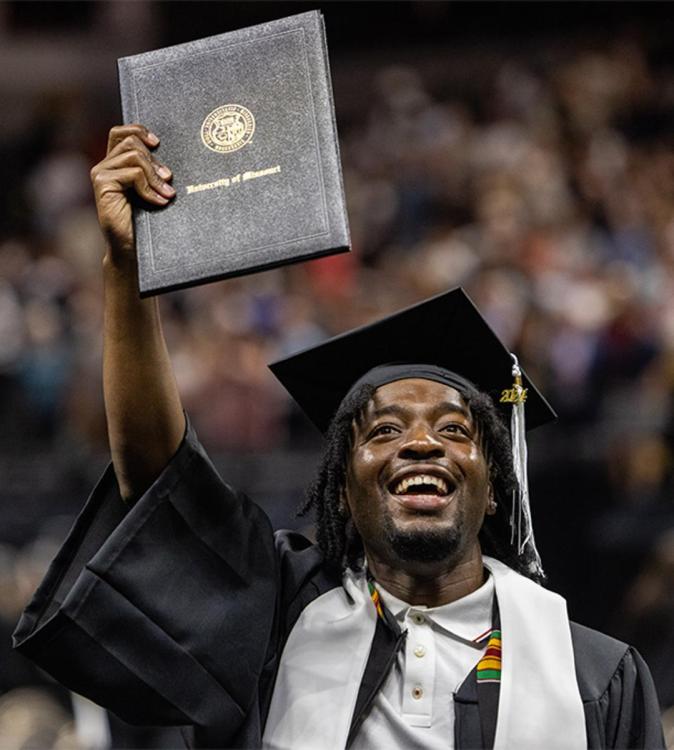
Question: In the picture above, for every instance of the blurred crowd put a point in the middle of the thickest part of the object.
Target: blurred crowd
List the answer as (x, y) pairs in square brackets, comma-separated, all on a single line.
[(547, 191)]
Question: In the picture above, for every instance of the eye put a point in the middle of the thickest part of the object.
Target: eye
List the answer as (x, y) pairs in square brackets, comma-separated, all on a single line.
[(456, 428), (383, 430)]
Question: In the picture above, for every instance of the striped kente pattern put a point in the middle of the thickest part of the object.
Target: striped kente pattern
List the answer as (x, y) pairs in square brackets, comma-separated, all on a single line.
[(489, 666), (375, 599)]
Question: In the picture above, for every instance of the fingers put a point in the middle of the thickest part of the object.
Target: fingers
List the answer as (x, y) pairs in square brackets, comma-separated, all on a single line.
[(120, 180), (120, 132), (129, 164), (133, 143), (148, 173)]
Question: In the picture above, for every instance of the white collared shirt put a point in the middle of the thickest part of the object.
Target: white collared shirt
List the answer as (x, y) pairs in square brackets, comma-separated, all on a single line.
[(415, 707)]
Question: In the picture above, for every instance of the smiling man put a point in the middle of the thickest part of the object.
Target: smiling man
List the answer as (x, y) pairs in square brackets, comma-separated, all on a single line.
[(417, 620), (418, 487)]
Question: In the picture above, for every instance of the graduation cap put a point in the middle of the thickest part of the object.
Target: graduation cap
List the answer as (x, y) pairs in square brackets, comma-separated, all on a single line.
[(446, 331)]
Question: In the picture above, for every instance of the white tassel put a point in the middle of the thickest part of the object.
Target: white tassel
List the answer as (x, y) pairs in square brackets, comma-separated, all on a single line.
[(522, 533)]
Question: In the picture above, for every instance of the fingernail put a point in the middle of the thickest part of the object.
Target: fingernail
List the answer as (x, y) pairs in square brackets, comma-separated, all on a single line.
[(164, 172), (168, 190), (152, 138), (161, 199)]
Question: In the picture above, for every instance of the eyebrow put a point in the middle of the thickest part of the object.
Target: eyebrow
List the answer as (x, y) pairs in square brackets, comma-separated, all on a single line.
[(446, 407)]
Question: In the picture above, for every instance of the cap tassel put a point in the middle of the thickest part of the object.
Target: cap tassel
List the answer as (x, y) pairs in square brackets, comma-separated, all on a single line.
[(522, 534)]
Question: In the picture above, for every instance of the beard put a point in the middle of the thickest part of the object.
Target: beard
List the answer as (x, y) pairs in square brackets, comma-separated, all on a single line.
[(423, 545)]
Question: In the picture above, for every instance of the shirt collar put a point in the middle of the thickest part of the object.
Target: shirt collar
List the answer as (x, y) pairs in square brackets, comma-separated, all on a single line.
[(468, 618)]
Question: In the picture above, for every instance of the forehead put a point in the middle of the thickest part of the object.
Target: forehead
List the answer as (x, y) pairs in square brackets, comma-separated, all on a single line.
[(416, 393)]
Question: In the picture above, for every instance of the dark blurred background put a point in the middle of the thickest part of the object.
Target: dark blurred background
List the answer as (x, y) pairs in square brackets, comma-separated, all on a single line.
[(522, 150)]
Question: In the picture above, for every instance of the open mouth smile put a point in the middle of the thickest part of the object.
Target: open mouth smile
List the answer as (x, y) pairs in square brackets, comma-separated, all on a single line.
[(422, 491)]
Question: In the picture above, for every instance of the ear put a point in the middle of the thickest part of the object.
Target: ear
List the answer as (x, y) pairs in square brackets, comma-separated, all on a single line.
[(491, 503)]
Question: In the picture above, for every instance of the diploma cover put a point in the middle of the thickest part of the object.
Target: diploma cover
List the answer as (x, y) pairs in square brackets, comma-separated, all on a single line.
[(247, 125)]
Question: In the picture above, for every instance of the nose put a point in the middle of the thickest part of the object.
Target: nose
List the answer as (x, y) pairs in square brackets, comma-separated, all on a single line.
[(420, 443)]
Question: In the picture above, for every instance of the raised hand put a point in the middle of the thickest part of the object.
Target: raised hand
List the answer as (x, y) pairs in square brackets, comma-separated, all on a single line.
[(129, 167)]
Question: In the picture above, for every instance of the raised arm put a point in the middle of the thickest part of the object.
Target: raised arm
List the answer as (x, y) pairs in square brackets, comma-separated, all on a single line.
[(142, 403), (164, 612)]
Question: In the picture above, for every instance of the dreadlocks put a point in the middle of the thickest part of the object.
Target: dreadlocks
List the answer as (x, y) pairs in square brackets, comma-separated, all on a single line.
[(336, 536)]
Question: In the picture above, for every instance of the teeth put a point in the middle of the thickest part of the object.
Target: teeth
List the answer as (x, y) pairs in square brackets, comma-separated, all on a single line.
[(420, 479)]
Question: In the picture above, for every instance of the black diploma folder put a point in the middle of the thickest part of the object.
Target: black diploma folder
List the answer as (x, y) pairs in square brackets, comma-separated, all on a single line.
[(246, 122)]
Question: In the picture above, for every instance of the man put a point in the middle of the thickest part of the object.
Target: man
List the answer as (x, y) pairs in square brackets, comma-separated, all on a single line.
[(413, 623)]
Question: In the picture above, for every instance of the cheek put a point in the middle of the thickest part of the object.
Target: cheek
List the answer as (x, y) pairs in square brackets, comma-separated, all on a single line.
[(478, 473), (364, 459), (362, 485), (474, 454), (363, 468), (472, 463)]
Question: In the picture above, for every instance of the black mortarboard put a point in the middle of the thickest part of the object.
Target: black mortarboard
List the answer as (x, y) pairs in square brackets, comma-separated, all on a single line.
[(446, 331)]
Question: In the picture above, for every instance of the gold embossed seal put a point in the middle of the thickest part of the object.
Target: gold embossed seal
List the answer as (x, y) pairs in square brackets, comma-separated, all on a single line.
[(228, 128)]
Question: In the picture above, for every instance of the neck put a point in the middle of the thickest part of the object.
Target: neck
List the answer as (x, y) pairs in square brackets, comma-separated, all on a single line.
[(430, 584)]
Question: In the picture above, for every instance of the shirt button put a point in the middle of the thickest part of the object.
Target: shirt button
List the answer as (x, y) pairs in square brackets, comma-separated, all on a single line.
[(420, 651), (417, 693), (418, 618)]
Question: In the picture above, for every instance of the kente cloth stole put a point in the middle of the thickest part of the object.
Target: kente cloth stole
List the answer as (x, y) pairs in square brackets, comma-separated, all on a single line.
[(489, 666), (376, 599)]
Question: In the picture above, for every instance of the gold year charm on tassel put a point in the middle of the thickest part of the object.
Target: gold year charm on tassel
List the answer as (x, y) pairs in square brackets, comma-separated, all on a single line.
[(516, 394)]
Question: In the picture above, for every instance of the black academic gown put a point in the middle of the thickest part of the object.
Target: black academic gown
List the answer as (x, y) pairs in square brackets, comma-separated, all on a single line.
[(175, 612)]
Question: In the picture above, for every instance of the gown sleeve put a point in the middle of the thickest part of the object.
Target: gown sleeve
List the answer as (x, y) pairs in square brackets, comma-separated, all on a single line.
[(163, 612), (616, 687), (629, 707)]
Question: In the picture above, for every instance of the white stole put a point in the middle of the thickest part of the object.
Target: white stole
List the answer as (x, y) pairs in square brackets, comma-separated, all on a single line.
[(324, 660), (321, 669), (539, 701)]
